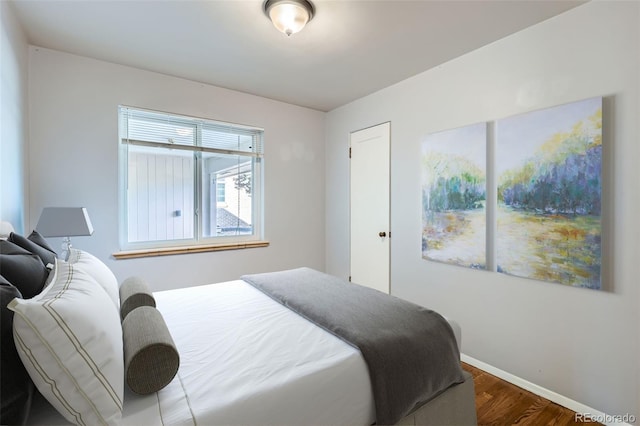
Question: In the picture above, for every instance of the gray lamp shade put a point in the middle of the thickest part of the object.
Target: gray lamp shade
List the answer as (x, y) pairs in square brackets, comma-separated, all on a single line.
[(64, 222)]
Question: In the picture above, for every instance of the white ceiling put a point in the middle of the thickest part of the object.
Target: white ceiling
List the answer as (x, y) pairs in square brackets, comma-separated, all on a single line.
[(349, 49)]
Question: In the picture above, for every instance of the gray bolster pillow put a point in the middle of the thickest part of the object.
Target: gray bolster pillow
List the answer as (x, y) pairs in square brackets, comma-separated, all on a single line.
[(151, 359), (134, 292)]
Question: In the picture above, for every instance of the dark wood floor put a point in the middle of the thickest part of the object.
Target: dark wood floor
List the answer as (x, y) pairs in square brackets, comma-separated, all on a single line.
[(501, 403)]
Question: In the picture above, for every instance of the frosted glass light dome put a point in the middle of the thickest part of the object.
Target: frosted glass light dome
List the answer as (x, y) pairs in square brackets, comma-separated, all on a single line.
[(289, 16)]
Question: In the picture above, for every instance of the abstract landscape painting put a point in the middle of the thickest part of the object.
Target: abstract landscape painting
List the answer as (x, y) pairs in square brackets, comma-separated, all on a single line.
[(548, 166), (454, 195)]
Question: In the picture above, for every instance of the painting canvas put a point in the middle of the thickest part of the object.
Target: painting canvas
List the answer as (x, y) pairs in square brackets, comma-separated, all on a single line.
[(454, 195), (548, 168)]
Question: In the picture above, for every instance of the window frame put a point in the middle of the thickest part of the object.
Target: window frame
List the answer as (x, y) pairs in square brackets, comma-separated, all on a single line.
[(199, 242)]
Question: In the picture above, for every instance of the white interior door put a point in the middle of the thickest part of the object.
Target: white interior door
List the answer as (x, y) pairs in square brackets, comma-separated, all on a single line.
[(370, 165)]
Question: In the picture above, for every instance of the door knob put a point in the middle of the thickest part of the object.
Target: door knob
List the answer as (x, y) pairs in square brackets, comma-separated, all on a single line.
[(382, 234)]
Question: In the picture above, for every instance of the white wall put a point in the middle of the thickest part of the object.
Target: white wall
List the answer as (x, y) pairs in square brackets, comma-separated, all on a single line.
[(73, 111), (13, 118), (582, 344)]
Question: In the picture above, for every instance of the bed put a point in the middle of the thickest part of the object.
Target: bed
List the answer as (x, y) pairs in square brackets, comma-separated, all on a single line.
[(245, 358)]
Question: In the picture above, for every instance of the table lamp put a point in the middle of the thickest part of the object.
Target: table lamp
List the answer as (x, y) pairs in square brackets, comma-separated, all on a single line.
[(64, 222)]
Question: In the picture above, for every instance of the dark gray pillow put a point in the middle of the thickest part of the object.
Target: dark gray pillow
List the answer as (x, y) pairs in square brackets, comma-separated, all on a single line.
[(151, 359), (47, 256), (16, 386), (37, 238), (22, 268), (134, 292)]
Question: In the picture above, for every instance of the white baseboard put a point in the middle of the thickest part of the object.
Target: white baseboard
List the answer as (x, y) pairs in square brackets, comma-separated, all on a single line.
[(545, 393)]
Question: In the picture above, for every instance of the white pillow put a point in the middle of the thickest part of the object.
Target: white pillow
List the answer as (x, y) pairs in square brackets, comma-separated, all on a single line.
[(5, 230), (69, 338), (99, 271)]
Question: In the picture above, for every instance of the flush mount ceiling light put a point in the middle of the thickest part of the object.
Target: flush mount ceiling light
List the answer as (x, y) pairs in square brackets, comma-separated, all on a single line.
[(289, 16)]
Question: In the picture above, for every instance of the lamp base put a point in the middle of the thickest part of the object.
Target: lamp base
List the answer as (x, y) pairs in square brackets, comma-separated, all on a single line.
[(66, 248)]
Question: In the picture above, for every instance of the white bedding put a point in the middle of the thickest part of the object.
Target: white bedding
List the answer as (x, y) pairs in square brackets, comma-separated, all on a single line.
[(246, 359)]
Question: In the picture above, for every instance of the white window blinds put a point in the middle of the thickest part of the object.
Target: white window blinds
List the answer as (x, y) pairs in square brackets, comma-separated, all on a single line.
[(161, 130)]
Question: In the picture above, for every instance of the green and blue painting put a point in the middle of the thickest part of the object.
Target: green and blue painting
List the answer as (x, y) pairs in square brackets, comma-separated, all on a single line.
[(548, 168), (454, 196)]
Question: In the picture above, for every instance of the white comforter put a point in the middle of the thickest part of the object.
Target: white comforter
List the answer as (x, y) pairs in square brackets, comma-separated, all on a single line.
[(247, 360)]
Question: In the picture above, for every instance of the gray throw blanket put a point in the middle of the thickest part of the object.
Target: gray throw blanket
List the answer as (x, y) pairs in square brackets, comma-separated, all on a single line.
[(411, 351)]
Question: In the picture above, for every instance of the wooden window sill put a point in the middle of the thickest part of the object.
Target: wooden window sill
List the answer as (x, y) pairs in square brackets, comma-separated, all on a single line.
[(169, 251)]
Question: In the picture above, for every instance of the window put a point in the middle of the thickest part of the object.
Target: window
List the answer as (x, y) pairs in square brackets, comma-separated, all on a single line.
[(220, 192), (188, 181)]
